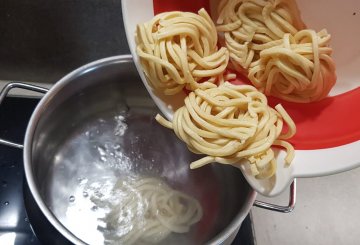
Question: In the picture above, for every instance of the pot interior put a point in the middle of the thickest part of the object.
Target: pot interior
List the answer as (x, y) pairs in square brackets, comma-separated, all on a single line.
[(98, 128)]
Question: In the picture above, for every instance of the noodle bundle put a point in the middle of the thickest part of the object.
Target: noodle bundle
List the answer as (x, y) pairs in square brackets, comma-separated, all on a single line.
[(299, 69), (179, 50), (147, 212), (250, 26), (231, 123)]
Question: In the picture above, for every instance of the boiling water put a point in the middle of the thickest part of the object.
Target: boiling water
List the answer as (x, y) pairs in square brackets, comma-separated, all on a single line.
[(108, 149)]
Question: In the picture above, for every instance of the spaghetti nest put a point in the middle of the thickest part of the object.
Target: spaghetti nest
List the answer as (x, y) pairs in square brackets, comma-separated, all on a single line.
[(299, 69), (179, 50), (231, 123), (249, 25)]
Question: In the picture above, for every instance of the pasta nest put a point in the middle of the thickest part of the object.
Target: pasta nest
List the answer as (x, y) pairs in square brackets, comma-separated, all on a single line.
[(231, 123), (179, 50), (248, 25), (299, 69)]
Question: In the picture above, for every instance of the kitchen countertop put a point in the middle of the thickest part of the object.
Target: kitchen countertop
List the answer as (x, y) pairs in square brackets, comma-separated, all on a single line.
[(327, 212)]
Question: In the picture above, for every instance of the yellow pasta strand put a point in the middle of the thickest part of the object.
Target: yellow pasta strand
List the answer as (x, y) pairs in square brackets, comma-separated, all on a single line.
[(179, 50), (268, 42), (230, 123), (249, 26), (300, 69)]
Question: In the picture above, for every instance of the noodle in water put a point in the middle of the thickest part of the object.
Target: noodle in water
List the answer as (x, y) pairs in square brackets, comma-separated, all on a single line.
[(148, 211)]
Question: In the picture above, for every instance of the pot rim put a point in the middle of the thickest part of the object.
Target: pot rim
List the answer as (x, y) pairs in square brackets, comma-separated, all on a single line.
[(27, 152)]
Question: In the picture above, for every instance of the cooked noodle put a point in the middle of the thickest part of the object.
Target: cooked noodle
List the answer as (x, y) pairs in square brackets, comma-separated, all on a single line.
[(299, 69), (231, 123), (148, 211), (179, 50)]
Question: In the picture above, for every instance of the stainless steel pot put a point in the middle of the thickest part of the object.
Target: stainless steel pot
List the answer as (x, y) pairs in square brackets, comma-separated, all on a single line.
[(96, 125)]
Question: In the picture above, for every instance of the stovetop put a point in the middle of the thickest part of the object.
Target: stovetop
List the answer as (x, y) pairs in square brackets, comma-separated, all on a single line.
[(14, 223), (21, 221)]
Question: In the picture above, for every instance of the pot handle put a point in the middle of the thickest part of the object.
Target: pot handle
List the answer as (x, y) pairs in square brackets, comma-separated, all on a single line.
[(277, 208), (4, 93)]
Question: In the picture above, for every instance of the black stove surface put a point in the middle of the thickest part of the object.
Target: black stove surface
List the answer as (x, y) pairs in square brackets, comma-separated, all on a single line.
[(14, 223), (21, 221)]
